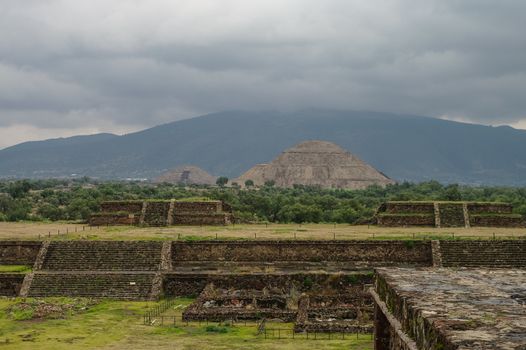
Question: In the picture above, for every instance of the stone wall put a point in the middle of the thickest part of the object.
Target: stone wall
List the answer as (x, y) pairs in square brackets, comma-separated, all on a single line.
[(191, 284), (496, 253), (505, 220), (448, 214), (411, 321), (409, 207), (156, 213), (10, 284), (105, 219), (201, 219), (103, 255), (162, 213), (18, 252), (114, 285), (451, 215), (406, 220), (121, 206), (497, 208), (359, 253), (199, 207)]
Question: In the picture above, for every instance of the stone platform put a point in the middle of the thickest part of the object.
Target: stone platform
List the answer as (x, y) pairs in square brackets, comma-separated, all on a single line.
[(447, 309)]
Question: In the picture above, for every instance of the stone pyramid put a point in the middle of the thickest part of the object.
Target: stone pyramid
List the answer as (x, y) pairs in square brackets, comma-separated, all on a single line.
[(316, 163), (187, 175)]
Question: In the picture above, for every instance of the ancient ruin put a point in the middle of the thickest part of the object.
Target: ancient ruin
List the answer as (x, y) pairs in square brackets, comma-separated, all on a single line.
[(321, 286), (448, 214), (316, 163), (163, 213), (186, 175), (450, 309)]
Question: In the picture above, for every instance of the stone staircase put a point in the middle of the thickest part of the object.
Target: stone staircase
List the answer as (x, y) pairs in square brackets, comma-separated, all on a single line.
[(98, 269), (103, 256), (505, 254), (122, 286)]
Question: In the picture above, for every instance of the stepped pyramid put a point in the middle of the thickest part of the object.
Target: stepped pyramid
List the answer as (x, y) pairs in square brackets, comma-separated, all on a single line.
[(187, 175), (318, 163)]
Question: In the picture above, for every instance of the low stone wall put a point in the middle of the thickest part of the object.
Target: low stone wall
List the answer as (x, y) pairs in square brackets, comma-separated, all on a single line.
[(360, 253), (114, 285), (199, 207), (18, 252), (123, 206), (496, 253), (448, 214), (104, 219), (401, 220), (103, 255), (503, 220), (496, 208), (190, 284), (162, 213), (10, 284), (201, 219), (409, 207)]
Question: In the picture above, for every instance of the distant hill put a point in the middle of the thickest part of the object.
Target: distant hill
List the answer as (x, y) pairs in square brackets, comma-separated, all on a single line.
[(403, 147)]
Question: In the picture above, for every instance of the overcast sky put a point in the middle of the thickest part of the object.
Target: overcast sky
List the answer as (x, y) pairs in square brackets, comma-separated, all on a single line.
[(75, 67)]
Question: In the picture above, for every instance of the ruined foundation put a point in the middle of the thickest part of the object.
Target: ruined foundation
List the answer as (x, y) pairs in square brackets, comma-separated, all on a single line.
[(448, 214), (162, 213), (322, 286)]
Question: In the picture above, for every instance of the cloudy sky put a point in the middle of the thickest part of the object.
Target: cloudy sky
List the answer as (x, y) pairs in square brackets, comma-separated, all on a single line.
[(76, 67)]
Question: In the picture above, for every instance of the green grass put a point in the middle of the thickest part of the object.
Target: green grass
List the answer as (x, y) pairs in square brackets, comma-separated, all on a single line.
[(15, 269), (118, 325)]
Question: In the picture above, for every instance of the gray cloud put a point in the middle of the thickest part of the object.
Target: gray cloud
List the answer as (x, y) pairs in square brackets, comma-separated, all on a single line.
[(122, 65)]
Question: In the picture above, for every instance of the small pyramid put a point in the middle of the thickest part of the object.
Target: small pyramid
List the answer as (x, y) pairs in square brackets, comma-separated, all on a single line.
[(187, 175), (316, 163)]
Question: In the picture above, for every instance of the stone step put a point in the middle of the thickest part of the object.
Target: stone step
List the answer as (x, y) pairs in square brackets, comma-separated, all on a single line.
[(103, 255), (128, 286)]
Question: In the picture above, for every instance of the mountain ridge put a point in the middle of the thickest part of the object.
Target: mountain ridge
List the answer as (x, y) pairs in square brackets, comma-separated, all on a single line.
[(404, 147)]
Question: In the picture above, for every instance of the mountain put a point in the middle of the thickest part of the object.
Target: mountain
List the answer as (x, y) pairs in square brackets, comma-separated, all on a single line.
[(403, 147)]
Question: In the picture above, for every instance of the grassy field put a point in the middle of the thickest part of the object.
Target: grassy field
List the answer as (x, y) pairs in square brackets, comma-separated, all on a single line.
[(118, 325), (65, 231)]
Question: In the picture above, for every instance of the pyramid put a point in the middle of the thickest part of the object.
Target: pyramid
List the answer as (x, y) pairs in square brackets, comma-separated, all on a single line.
[(316, 163), (187, 175)]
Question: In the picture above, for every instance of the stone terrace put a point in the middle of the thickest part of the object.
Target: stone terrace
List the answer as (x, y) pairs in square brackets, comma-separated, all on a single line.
[(103, 255), (450, 309), (504, 254)]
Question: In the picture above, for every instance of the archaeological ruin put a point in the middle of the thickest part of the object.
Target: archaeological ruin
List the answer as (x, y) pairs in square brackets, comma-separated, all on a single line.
[(448, 214), (449, 309), (320, 286), (316, 163), (186, 175), (162, 213)]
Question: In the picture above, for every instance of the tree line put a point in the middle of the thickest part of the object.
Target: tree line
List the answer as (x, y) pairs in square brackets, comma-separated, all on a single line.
[(52, 200)]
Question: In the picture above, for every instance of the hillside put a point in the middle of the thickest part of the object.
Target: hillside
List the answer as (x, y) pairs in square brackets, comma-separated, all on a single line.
[(229, 143)]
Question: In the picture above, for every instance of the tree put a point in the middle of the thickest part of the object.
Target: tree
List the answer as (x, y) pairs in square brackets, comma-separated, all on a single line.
[(452, 193), (249, 183), (19, 189), (270, 183), (222, 181)]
